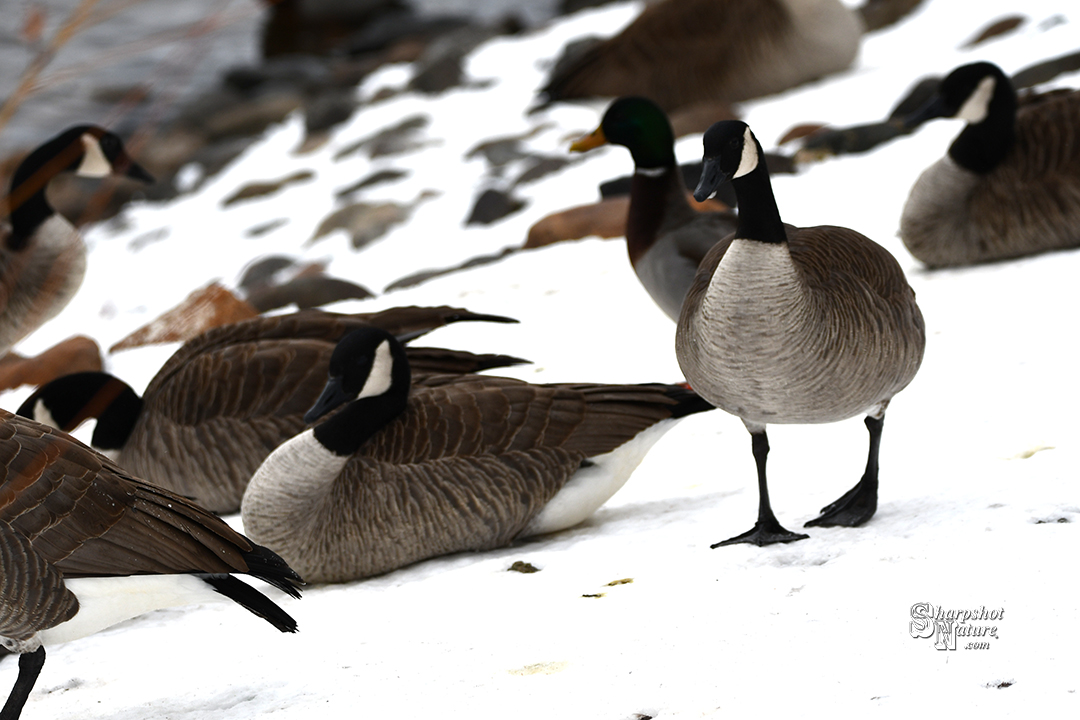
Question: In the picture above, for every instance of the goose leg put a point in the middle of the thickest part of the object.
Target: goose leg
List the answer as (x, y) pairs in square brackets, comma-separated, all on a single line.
[(858, 504), (767, 530), (29, 668)]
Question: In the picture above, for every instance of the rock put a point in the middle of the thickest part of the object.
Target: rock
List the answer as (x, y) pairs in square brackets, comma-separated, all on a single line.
[(307, 291), (879, 14), (376, 178), (392, 140), (262, 189), (76, 354), (540, 167), (317, 26), (266, 227), (605, 219), (263, 272), (206, 308), (493, 205), (440, 66), (424, 275), (399, 25), (363, 221), (997, 29)]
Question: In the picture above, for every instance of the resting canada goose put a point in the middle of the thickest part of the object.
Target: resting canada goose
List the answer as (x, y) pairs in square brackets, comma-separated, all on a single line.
[(1009, 185), (665, 237), (794, 325), (42, 256), (228, 397), (681, 52), (396, 477), (84, 545)]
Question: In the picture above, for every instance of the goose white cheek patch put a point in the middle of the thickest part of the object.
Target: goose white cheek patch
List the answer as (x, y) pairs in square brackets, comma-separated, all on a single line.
[(749, 159), (977, 106), (94, 162), (379, 380)]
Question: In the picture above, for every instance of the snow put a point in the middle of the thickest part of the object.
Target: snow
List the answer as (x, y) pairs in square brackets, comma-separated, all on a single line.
[(978, 503)]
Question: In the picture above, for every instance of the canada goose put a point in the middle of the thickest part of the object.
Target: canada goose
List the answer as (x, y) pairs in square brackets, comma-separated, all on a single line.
[(794, 325), (682, 52), (1009, 185), (42, 256), (665, 237), (228, 397), (84, 545), (396, 477)]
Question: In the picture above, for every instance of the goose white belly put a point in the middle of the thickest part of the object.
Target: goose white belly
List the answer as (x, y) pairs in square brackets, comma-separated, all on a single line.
[(106, 601), (592, 485)]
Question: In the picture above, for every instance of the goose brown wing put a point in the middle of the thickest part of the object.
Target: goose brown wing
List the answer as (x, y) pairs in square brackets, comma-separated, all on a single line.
[(85, 516), (863, 298), (466, 416), (32, 592), (315, 326), (1047, 147)]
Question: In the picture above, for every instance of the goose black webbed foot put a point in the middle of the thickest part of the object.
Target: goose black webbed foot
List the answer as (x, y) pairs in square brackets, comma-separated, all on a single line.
[(764, 532), (851, 509)]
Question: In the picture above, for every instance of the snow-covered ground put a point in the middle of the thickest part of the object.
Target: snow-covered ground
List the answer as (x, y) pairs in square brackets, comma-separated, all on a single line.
[(631, 613)]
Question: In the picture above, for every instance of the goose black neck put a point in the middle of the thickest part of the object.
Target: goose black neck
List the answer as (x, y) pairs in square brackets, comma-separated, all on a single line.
[(346, 432), (654, 196), (26, 199), (72, 399), (759, 217), (980, 147)]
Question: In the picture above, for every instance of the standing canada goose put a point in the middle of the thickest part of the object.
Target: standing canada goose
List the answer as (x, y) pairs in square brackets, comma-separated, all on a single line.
[(84, 545), (794, 325), (42, 256), (665, 237), (396, 477), (228, 397), (1009, 185), (682, 52)]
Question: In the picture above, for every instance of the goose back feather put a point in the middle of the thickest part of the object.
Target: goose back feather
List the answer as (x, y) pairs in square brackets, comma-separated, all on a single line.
[(227, 398)]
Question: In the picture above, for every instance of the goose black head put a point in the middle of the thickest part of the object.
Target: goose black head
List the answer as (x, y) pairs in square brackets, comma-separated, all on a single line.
[(366, 363), (730, 152), (966, 93), (86, 150), (639, 125)]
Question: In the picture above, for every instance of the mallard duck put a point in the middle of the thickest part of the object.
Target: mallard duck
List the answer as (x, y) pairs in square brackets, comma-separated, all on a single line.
[(42, 256), (228, 397), (665, 237), (1009, 185), (794, 325), (84, 545), (395, 476)]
